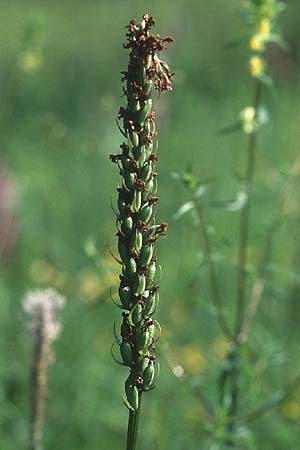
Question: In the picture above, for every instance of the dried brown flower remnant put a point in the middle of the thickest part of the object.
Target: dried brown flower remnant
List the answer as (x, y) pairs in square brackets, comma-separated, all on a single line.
[(144, 48)]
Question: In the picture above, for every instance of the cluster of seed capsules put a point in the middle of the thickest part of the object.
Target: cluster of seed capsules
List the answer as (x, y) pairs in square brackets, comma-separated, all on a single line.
[(137, 231)]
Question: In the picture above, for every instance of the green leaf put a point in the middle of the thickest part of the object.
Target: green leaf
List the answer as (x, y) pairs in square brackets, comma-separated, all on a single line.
[(200, 191), (185, 208), (233, 205)]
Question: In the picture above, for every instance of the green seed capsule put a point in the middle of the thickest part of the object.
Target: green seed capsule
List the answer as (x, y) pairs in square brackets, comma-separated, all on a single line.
[(141, 74), (121, 205), (122, 248), (146, 172), (150, 306), (132, 394), (145, 110), (126, 353), (126, 164), (142, 363), (127, 226), (136, 315), (143, 340), (125, 296), (129, 178), (146, 255), (146, 213), (125, 328), (133, 138), (148, 375), (151, 331), (150, 185), (146, 130), (130, 88), (139, 284), (130, 268), (152, 270), (137, 240), (134, 104), (153, 128), (137, 152), (143, 156), (148, 88), (137, 201)]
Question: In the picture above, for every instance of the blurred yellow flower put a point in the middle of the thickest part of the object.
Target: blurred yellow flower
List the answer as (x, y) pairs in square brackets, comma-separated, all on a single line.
[(256, 66), (221, 347), (192, 359), (256, 43), (90, 286), (291, 409), (195, 414), (42, 272), (265, 27), (109, 272), (60, 280), (31, 60), (179, 313)]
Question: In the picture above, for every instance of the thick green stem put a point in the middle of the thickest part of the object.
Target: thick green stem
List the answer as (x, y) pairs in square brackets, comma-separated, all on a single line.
[(133, 423)]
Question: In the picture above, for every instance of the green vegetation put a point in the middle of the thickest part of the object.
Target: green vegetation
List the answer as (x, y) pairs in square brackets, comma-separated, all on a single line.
[(60, 92)]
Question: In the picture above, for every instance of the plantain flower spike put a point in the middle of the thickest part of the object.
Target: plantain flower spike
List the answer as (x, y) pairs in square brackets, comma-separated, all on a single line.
[(137, 230), (42, 307)]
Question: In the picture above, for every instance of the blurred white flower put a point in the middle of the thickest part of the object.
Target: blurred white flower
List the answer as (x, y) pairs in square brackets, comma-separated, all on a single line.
[(247, 117), (252, 120), (42, 306)]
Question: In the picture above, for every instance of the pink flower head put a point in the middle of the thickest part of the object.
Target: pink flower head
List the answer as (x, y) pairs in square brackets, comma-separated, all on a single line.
[(8, 226)]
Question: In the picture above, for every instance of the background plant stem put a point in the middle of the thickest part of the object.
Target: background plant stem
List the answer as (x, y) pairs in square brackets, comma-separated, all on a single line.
[(233, 358), (38, 388), (212, 271), (133, 423), (245, 215)]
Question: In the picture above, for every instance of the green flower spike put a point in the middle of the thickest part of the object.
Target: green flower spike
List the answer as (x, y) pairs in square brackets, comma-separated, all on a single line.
[(137, 231)]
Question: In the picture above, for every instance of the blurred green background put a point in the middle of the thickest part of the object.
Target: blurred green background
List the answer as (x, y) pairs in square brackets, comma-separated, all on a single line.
[(60, 92)]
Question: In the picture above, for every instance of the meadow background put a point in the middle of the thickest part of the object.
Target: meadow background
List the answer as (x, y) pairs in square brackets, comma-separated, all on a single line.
[(60, 92)]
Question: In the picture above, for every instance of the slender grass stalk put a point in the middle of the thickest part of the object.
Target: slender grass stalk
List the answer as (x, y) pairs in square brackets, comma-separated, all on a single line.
[(137, 230), (258, 287), (195, 204), (233, 356), (212, 270), (42, 307), (245, 213)]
